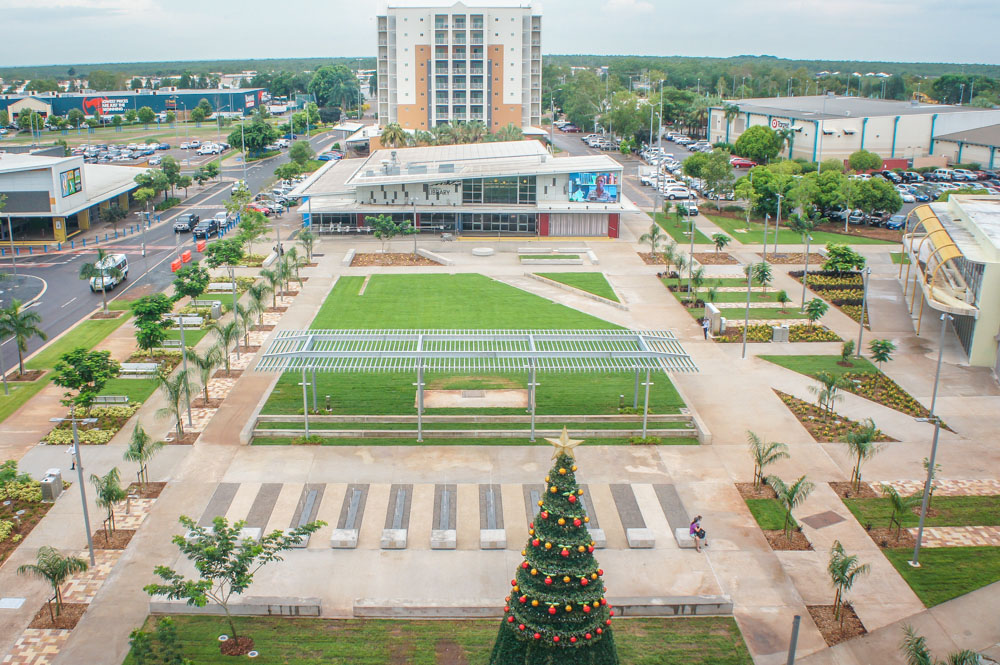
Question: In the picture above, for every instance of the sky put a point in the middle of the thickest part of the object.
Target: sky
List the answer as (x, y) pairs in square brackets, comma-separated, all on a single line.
[(87, 31)]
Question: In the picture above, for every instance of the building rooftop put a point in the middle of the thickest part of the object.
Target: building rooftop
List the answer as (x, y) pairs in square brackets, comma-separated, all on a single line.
[(445, 4), (838, 106), (140, 92), (984, 214), (10, 162), (988, 136)]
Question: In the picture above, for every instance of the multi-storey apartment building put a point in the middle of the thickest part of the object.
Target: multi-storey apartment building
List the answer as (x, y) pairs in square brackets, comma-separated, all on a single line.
[(457, 63)]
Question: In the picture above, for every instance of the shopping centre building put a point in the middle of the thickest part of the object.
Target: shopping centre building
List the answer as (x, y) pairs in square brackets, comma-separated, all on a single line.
[(503, 188), (178, 101)]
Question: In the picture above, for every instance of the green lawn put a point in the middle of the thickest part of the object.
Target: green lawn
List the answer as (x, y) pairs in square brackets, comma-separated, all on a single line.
[(20, 392), (756, 313), (87, 335), (947, 511), (947, 572), (718, 281), (899, 257), (500, 441), (591, 282), (740, 297), (675, 641), (769, 514), (138, 390), (812, 365), (755, 235), (453, 302), (680, 231), (635, 424), (391, 393), (191, 335)]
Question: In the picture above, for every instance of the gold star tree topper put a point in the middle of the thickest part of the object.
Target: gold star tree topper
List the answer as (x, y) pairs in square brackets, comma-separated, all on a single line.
[(564, 444)]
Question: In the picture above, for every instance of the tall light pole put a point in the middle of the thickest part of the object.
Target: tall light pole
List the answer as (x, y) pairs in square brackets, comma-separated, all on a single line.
[(819, 159), (805, 274), (746, 316), (10, 236), (243, 145), (184, 360), (79, 474), (777, 223), (866, 276), (915, 562)]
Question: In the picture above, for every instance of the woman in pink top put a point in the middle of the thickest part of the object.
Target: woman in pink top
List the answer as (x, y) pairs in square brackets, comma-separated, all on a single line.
[(696, 532)]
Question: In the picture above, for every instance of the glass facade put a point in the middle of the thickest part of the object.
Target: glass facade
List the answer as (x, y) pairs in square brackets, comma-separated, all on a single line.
[(509, 191), (436, 222), (500, 222)]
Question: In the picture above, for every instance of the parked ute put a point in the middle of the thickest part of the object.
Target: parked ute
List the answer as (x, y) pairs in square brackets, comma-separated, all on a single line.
[(186, 222)]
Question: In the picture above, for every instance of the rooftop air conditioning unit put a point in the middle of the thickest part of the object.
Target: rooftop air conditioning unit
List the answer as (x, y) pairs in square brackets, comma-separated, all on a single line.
[(446, 168)]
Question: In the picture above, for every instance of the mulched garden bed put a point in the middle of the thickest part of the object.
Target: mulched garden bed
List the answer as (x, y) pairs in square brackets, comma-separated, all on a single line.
[(834, 630), (748, 491), (188, 440), (821, 426), (287, 294), (167, 361), (263, 328), (236, 646), (120, 538), (30, 375), (391, 259), (147, 491), (310, 265), (249, 349), (797, 543), (881, 389), (67, 619), (199, 403), (231, 374), (34, 512), (886, 538), (845, 490), (113, 314), (796, 258), (275, 310), (761, 332), (651, 259), (715, 259)]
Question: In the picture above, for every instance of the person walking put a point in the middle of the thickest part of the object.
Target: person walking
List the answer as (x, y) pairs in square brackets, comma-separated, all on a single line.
[(697, 533), (705, 325)]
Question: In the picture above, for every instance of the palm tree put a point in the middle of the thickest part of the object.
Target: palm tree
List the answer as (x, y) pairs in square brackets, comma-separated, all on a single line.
[(826, 392), (844, 571), (246, 315), (815, 309), (762, 274), (475, 131), (509, 133), (22, 325), (90, 270), (393, 136), (669, 255), (109, 492), (654, 237), (274, 281), (786, 136), (680, 262), (229, 334), (914, 647), (141, 449), (175, 389), (443, 134), (720, 240), (901, 505), (713, 294), (790, 497), (256, 294), (308, 239), (764, 454), (51, 566), (207, 364), (293, 262), (861, 445), (730, 111), (697, 281)]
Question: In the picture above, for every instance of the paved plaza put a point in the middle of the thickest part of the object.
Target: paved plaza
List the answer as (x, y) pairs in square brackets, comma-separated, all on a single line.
[(651, 487)]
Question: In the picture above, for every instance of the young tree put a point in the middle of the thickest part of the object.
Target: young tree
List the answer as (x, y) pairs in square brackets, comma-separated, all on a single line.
[(112, 215), (764, 455), (200, 177), (846, 349), (229, 334), (21, 324), (206, 365), (556, 611), (844, 571), (184, 182), (175, 390), (385, 228), (762, 274), (881, 350), (862, 161), (227, 252), (274, 280), (191, 280), (212, 170), (103, 275), (308, 240), (245, 315), (783, 299), (901, 505), (143, 196), (146, 115), (745, 191), (226, 563), (826, 391), (758, 143), (252, 225), (151, 308), (655, 237), (86, 372), (914, 647), (51, 566), (109, 492), (815, 310), (790, 497), (150, 335), (862, 447), (720, 240), (301, 152), (841, 258), (141, 449)]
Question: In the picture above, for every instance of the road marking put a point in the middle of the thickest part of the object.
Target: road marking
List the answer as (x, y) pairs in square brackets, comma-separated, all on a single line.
[(67, 302)]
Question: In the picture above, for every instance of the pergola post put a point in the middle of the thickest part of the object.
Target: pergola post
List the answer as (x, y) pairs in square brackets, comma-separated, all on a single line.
[(305, 400), (315, 407), (420, 403), (635, 390), (532, 387), (645, 407)]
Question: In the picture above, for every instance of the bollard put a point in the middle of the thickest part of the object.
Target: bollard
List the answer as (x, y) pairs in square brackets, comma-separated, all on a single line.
[(116, 234), (72, 244), (17, 251), (105, 237), (59, 247), (29, 250), (45, 249), (2, 252)]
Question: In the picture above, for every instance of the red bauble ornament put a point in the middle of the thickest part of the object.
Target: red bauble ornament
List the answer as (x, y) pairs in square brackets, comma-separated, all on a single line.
[(600, 572), (544, 514), (513, 582), (538, 636), (572, 640), (577, 522), (510, 619), (548, 580), (612, 612), (590, 548), (604, 601), (608, 622), (600, 631), (587, 636), (552, 610), (565, 552), (524, 565), (584, 582), (520, 627), (555, 639), (586, 609), (572, 498), (506, 608), (536, 542), (531, 525), (523, 599)]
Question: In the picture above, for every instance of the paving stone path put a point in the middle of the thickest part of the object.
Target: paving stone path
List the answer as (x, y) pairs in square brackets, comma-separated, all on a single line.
[(959, 536), (37, 646), (988, 487)]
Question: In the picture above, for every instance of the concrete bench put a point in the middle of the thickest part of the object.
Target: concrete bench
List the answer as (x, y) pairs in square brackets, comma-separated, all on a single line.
[(348, 258), (220, 286), (394, 534), (247, 606), (683, 538), (492, 535), (131, 370), (188, 321), (640, 538), (214, 306), (671, 606), (246, 533), (346, 537), (171, 344), (444, 535), (110, 399), (306, 516)]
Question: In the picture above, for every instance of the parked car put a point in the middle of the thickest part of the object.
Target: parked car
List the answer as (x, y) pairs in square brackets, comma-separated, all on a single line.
[(329, 156), (677, 193), (221, 218), (194, 144), (186, 222), (689, 209), (941, 175), (185, 145), (258, 207), (570, 129), (206, 228), (239, 185), (963, 174), (155, 161), (742, 163), (896, 222), (163, 146)]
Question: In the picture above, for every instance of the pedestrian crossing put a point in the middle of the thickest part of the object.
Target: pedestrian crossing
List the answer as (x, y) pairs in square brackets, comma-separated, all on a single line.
[(461, 516)]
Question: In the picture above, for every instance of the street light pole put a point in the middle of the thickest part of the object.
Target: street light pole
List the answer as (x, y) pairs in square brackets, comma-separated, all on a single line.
[(777, 223), (934, 444), (79, 475), (805, 274), (866, 275), (184, 360), (819, 159), (10, 236), (746, 317)]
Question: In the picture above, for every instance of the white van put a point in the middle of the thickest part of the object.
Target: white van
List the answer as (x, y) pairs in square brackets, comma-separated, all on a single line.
[(107, 281)]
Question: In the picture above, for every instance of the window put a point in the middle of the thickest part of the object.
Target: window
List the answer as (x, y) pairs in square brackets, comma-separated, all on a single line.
[(500, 222), (512, 191)]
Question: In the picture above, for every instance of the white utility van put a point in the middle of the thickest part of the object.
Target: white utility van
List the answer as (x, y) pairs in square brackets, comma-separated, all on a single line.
[(107, 280)]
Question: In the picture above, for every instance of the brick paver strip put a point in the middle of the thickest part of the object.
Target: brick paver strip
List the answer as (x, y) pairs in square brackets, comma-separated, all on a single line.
[(219, 503), (83, 587), (37, 646), (628, 508), (263, 504), (988, 487), (673, 508), (959, 536)]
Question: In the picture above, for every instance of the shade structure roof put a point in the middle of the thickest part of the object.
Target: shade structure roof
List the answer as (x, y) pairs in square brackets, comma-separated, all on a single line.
[(475, 350)]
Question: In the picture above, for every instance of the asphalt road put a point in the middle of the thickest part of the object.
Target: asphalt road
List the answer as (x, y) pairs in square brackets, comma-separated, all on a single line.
[(65, 299)]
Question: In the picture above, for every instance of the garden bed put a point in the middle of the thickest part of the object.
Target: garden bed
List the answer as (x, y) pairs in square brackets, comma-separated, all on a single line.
[(652, 259), (834, 630), (110, 419), (19, 494), (111, 314), (843, 290), (391, 259), (845, 490), (66, 620), (822, 426), (748, 491), (188, 439), (28, 376), (762, 333), (146, 490), (231, 374), (168, 360), (119, 540), (795, 258), (716, 259), (779, 543)]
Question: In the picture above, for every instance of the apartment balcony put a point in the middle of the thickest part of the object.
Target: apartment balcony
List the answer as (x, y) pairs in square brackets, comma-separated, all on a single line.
[(440, 25), (458, 39), (475, 86), (477, 71), (477, 25), (458, 70), (441, 86), (476, 116), (536, 42), (478, 41), (441, 41)]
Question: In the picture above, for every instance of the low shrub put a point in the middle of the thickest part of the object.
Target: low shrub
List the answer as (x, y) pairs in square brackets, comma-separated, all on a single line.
[(27, 491), (243, 283), (644, 440), (253, 260), (167, 204)]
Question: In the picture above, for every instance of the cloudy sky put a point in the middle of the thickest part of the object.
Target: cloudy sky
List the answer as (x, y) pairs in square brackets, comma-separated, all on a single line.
[(87, 31)]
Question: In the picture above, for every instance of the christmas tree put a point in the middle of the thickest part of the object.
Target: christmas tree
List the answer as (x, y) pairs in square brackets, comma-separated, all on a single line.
[(556, 613)]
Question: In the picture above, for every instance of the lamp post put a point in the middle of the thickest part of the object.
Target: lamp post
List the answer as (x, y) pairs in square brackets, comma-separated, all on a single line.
[(184, 360), (746, 317), (777, 222), (3, 370), (10, 237), (805, 274), (79, 474), (243, 144), (866, 277), (819, 159), (915, 562)]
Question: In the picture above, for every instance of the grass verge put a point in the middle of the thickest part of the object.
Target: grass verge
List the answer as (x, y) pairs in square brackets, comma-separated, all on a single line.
[(947, 572), (680, 231), (755, 236), (471, 425), (503, 441), (87, 335), (946, 511), (769, 514), (591, 282), (811, 365)]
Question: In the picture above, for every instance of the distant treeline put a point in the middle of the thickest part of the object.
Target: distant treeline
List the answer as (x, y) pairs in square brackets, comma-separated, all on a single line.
[(179, 67)]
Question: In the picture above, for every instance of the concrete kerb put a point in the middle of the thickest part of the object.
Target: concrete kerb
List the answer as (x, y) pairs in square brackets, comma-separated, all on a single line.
[(704, 434), (348, 257), (437, 258), (573, 289), (652, 606)]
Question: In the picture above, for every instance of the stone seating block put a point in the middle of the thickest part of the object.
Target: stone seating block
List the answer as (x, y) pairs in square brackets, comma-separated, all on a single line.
[(640, 538), (683, 537), (344, 539), (443, 539), (394, 539), (492, 539)]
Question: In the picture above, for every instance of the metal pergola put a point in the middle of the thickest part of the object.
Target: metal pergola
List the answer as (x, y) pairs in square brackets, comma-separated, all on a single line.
[(528, 351)]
